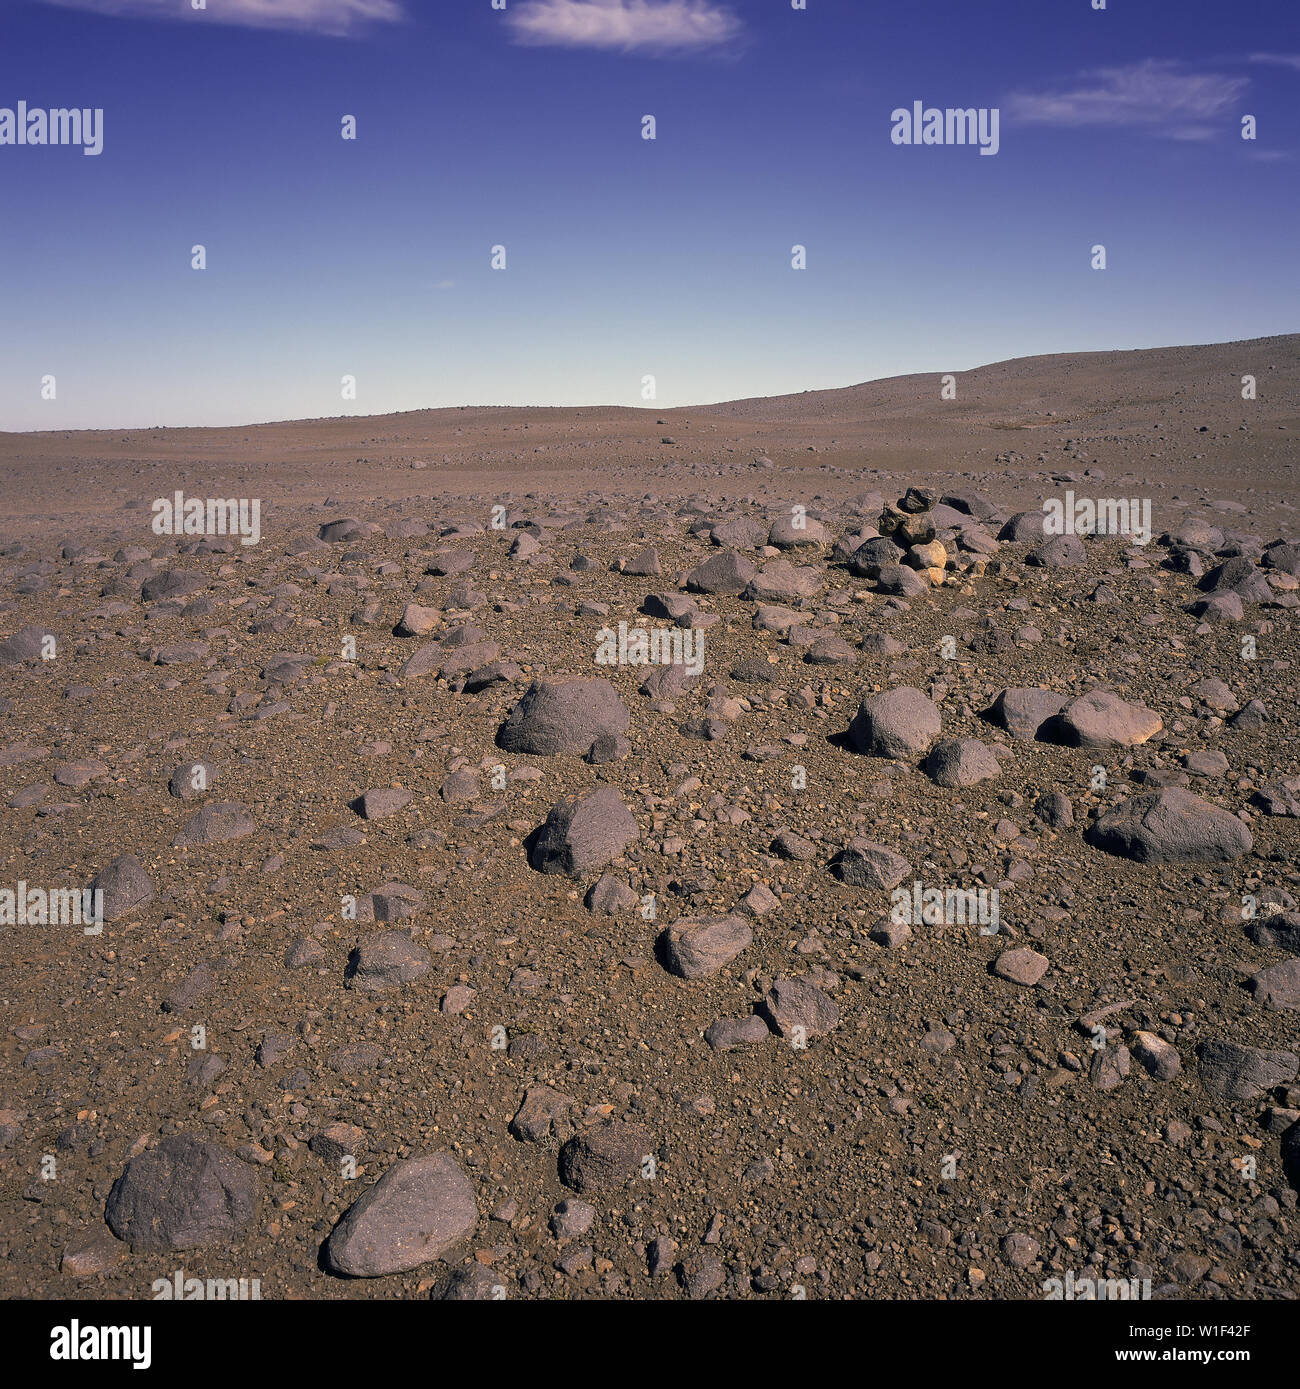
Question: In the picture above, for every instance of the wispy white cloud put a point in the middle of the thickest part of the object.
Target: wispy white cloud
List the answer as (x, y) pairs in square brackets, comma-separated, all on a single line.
[(333, 17), (1285, 60), (630, 26), (1158, 96)]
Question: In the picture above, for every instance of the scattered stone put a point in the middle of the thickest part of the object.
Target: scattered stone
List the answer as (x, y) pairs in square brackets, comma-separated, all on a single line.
[(125, 886), (799, 1010), (183, 1194), (1156, 1056), (605, 1158), (697, 949), (419, 1210), (898, 723), (863, 864), (583, 832), (727, 1034), (385, 961), (564, 716), (1171, 826)]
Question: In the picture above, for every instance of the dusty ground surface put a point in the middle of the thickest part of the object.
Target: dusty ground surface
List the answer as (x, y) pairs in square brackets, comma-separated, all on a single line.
[(937, 1130)]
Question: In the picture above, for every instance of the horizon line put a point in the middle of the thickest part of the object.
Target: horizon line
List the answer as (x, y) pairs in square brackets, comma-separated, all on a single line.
[(660, 409)]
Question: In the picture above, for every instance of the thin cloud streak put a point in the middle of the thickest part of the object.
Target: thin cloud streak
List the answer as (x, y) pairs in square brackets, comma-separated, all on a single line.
[(628, 26), (334, 18), (1285, 60), (1158, 96)]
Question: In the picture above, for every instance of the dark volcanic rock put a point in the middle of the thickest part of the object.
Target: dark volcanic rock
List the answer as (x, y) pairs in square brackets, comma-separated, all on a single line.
[(605, 1158), (183, 1194), (1230, 1071), (125, 885), (582, 832)]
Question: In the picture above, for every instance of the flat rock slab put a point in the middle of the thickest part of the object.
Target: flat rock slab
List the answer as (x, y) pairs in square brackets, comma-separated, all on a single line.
[(183, 1194), (380, 801), (215, 824), (1230, 1071), (543, 1113), (1021, 966), (728, 1034), (28, 644), (415, 1212), (1278, 986), (192, 780), (386, 961), (1281, 930), (1171, 825)]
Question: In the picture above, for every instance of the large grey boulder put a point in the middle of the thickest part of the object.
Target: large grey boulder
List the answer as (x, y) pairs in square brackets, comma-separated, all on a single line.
[(564, 716), (961, 762), (1171, 825), (582, 832), (1101, 719), (417, 1211), (1024, 711), (895, 723), (725, 572)]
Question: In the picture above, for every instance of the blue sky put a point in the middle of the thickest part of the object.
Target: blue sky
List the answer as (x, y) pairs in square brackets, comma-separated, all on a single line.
[(626, 257)]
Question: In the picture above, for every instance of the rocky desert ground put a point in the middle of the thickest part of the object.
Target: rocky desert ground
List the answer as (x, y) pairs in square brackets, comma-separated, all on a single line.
[(739, 852)]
